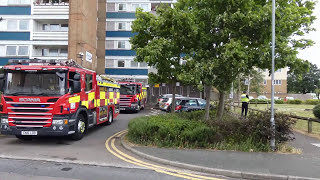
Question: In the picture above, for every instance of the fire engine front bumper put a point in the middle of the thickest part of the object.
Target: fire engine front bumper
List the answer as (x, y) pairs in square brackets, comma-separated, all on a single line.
[(133, 107), (45, 131), (54, 130)]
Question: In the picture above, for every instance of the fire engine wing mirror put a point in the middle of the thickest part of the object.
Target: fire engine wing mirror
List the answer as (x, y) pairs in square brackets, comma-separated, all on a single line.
[(1, 82), (76, 77), (76, 86)]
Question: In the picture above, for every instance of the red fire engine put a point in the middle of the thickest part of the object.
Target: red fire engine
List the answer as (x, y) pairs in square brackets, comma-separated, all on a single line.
[(54, 98), (133, 96)]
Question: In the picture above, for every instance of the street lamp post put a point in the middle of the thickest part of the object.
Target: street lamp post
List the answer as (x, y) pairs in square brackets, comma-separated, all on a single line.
[(272, 121)]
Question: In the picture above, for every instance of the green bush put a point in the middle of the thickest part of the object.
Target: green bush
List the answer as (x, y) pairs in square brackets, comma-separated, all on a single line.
[(316, 111), (295, 101), (260, 101), (190, 130), (279, 101), (312, 101)]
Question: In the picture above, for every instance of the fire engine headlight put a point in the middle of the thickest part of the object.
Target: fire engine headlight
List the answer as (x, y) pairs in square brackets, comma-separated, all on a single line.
[(57, 122), (4, 121)]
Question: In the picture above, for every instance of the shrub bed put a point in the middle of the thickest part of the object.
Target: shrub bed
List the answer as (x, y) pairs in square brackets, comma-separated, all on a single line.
[(316, 111), (260, 100), (191, 131), (312, 101), (279, 101), (296, 101)]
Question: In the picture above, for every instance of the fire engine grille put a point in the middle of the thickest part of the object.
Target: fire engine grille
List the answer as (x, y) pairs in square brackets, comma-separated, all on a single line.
[(125, 101), (30, 114)]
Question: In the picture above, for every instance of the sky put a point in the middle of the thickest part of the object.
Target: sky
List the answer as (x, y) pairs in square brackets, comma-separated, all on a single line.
[(313, 53)]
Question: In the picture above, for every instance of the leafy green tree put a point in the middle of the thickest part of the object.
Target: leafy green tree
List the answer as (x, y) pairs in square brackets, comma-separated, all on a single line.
[(235, 36), (304, 82), (160, 42)]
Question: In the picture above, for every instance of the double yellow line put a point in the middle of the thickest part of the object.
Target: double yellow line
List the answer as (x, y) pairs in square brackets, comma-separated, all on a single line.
[(110, 145)]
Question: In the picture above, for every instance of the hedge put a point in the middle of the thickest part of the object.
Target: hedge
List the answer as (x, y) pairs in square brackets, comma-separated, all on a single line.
[(296, 101), (312, 101)]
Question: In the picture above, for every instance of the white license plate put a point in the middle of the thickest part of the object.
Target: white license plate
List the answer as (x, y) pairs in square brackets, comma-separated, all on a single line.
[(29, 133), (122, 109)]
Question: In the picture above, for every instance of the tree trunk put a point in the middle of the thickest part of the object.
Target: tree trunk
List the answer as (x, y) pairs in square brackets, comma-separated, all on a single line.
[(208, 94), (221, 105), (173, 104), (239, 91)]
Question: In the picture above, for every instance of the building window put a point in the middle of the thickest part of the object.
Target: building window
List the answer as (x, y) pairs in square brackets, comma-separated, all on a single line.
[(53, 52), (122, 26), (15, 25), (145, 7), (277, 82), (264, 82), (134, 64), (63, 52), (121, 44), (17, 51), (23, 51), (24, 25), (45, 27), (135, 7), (55, 27), (11, 50), (143, 64), (121, 63), (122, 7), (12, 24), (18, 2), (109, 63), (64, 27)]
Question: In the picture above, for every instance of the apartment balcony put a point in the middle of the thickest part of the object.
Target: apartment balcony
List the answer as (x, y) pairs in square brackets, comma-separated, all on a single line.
[(50, 36), (50, 9)]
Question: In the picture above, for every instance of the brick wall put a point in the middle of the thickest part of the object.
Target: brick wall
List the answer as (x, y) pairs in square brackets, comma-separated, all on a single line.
[(86, 33)]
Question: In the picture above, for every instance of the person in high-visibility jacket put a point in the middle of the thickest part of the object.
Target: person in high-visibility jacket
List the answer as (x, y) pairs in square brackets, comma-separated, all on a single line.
[(245, 103)]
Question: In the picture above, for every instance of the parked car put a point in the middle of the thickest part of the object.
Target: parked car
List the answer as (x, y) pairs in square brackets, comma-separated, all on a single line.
[(165, 104), (262, 97), (191, 104), (163, 96), (277, 98), (289, 98), (251, 97)]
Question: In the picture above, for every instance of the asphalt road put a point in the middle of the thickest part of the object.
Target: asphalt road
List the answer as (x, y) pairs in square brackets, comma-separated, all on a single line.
[(52, 158), (84, 159)]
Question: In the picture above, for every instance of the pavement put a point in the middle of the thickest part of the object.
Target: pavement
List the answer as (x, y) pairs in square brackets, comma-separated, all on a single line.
[(247, 165)]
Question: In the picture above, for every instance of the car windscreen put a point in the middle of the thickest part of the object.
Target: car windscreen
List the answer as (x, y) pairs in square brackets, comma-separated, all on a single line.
[(165, 100), (202, 102)]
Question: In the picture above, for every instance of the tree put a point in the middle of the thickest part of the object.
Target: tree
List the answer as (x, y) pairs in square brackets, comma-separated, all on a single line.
[(304, 82), (160, 43), (233, 37)]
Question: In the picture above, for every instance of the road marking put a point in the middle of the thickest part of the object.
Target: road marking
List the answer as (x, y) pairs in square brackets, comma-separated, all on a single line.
[(315, 144), (161, 169)]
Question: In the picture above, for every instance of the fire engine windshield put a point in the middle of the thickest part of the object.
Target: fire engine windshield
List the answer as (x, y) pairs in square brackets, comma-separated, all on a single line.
[(128, 89), (39, 83)]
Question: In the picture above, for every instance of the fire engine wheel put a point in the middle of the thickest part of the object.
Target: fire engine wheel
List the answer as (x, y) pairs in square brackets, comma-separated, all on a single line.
[(110, 117), (139, 107), (25, 138), (80, 128)]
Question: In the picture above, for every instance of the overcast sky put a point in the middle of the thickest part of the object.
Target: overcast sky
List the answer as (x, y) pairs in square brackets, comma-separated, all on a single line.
[(313, 53)]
